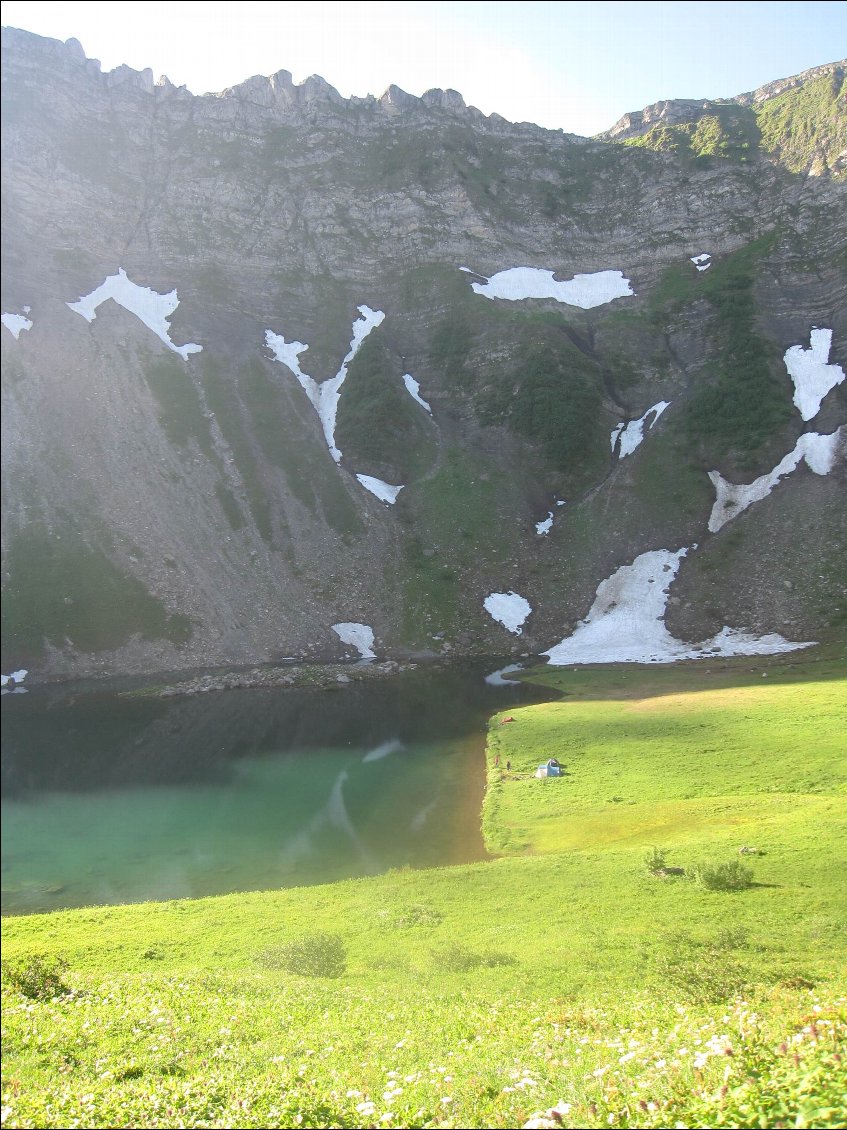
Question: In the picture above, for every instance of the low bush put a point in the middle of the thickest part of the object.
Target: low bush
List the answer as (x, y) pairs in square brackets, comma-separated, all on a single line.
[(38, 977), (320, 954), (731, 876), (456, 958), (418, 915), (654, 860)]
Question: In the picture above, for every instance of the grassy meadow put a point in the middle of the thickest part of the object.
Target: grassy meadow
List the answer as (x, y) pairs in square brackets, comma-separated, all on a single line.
[(562, 982)]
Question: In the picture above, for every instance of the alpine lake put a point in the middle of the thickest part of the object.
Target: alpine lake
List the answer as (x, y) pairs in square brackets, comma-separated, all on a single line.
[(112, 795)]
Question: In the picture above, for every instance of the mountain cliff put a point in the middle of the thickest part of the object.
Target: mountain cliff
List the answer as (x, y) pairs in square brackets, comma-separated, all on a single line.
[(287, 374)]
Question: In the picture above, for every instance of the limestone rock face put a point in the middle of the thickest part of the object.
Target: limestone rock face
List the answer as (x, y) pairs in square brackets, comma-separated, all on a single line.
[(167, 507)]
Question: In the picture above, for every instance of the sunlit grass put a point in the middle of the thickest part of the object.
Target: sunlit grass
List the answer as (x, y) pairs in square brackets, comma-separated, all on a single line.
[(563, 973)]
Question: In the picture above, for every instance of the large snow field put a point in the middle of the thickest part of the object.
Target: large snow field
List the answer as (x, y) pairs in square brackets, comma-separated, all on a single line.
[(585, 291), (626, 622)]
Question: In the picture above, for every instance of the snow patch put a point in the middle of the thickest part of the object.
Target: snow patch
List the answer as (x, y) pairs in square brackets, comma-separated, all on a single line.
[(626, 622), (509, 609), (413, 389), (585, 291), (813, 378), (729, 641), (702, 262), (15, 677), (732, 499), (544, 528), (631, 432), (384, 491), (16, 323), (325, 396), (359, 636), (498, 678), (151, 308)]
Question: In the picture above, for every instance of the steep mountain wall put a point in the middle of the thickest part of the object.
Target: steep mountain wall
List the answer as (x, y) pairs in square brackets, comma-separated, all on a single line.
[(186, 484)]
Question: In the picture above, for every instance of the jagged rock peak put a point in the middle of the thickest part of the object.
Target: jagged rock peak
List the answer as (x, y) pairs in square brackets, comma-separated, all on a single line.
[(70, 55), (675, 110), (274, 92), (279, 90)]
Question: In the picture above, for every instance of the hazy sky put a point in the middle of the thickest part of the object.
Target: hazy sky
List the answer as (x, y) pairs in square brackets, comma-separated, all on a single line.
[(574, 66)]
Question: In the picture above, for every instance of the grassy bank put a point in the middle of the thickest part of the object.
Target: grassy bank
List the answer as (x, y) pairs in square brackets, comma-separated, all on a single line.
[(562, 971)]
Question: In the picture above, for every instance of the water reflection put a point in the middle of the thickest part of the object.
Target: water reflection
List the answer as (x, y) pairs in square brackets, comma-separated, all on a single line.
[(114, 799)]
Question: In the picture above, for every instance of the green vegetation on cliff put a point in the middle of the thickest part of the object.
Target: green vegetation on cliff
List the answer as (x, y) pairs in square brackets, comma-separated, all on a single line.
[(61, 588), (727, 130), (804, 128), (380, 429)]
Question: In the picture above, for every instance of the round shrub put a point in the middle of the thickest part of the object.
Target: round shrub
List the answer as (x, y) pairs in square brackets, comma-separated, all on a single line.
[(731, 876), (315, 955)]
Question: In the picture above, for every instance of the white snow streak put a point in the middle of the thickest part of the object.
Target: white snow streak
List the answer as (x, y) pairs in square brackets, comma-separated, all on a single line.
[(16, 323), (498, 678), (544, 528), (631, 432), (393, 745), (383, 491), (813, 378), (413, 389), (585, 291), (149, 307), (324, 396), (626, 622), (820, 453), (509, 609), (359, 636)]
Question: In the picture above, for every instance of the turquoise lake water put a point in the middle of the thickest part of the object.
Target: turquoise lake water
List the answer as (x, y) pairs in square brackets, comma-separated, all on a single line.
[(111, 799)]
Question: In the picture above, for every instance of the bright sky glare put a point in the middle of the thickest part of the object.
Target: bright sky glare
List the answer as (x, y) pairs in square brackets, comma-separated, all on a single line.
[(576, 66)]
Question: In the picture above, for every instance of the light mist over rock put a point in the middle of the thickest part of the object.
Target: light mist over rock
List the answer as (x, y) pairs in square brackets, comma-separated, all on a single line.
[(185, 486)]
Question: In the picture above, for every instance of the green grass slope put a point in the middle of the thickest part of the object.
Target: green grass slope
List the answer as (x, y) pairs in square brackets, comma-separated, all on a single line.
[(561, 973)]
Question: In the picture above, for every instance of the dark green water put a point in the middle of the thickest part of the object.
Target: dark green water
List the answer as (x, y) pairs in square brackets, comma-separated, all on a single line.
[(111, 799)]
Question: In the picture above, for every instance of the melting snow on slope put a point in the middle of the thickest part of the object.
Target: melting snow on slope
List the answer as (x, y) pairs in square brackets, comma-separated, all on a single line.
[(324, 396), (544, 528), (509, 609), (702, 262), (414, 389), (626, 622), (631, 432), (15, 677), (384, 491), (149, 307), (820, 453), (812, 376), (585, 291), (16, 323), (359, 636)]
